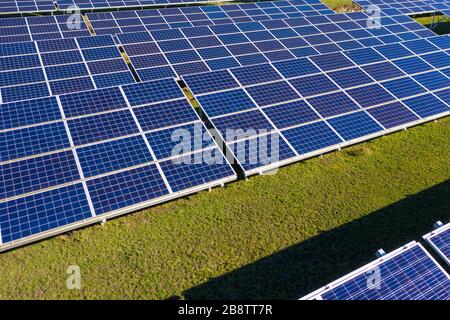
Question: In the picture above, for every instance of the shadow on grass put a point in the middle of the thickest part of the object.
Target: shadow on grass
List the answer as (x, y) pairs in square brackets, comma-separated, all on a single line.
[(302, 268)]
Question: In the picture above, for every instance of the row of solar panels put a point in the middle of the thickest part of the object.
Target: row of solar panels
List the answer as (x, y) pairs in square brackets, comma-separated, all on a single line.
[(98, 151), (30, 6), (132, 21), (405, 6), (408, 273), (48, 27), (170, 53), (32, 70)]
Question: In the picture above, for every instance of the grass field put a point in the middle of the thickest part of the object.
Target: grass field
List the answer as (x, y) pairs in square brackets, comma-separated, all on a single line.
[(278, 236)]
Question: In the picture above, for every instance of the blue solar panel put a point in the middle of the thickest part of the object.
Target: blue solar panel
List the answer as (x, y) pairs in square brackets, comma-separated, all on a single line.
[(426, 105), (409, 273), (71, 85), (433, 80), (113, 79), (126, 188), (152, 91), (165, 114), (276, 92), (11, 78), (290, 114), (114, 155), (256, 74), (364, 56), (412, 65), (437, 59), (313, 85), (42, 211), (383, 71), (296, 68), (261, 151), (28, 112), (179, 140), (333, 104), (311, 137), (33, 140), (440, 241), (403, 87), (37, 173), (354, 125), (392, 115), (186, 173), (220, 103), (420, 46), (19, 62), (370, 95), (238, 126), (331, 61), (394, 51), (210, 82), (102, 127), (24, 92), (350, 77)]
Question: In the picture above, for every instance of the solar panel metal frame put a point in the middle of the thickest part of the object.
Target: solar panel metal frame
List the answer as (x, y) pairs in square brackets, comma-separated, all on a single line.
[(429, 238), (317, 294)]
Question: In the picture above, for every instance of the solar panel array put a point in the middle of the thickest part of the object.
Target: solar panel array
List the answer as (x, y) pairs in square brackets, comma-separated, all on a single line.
[(399, 6), (23, 6), (323, 102), (408, 273), (177, 52), (439, 240), (172, 18), (110, 4), (82, 141), (78, 158), (22, 29), (52, 67)]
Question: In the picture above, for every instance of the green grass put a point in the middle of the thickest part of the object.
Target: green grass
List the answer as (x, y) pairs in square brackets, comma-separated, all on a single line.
[(276, 236)]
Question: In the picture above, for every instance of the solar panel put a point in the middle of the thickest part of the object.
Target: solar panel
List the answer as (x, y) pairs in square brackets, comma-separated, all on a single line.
[(439, 240), (408, 273)]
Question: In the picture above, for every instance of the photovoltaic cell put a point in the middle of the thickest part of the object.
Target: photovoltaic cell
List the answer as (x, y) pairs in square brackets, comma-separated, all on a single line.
[(392, 115)]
